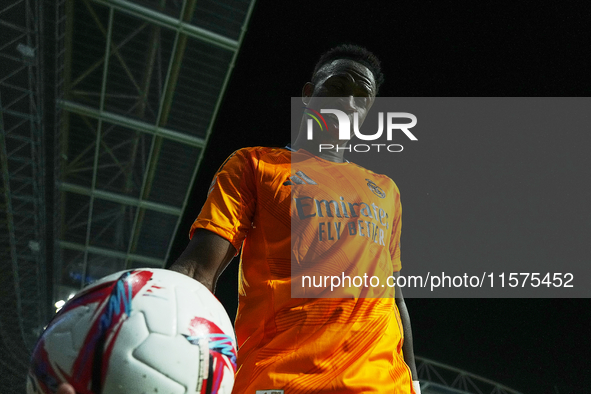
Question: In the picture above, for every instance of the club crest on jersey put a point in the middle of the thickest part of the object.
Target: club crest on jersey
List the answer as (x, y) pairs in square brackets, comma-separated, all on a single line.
[(375, 188)]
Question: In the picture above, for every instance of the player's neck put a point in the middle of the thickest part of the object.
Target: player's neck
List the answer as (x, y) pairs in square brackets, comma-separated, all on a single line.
[(320, 149)]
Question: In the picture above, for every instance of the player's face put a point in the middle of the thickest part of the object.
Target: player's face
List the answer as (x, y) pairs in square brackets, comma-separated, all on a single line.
[(344, 85)]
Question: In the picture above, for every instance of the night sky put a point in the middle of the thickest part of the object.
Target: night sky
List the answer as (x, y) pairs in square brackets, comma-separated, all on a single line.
[(444, 49)]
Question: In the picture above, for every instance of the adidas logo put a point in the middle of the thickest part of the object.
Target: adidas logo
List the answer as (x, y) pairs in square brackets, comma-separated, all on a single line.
[(299, 179)]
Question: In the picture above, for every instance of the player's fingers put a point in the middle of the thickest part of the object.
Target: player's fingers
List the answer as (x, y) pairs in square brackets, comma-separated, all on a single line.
[(65, 388)]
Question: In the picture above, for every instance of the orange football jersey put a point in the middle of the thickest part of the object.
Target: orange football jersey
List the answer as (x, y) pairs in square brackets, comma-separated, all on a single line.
[(300, 219)]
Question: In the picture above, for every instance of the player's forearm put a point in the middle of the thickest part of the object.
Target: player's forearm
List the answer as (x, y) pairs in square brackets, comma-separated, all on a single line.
[(205, 258), (407, 346), (192, 269)]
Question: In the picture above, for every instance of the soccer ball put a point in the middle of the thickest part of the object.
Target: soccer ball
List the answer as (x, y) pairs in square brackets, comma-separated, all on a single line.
[(138, 332)]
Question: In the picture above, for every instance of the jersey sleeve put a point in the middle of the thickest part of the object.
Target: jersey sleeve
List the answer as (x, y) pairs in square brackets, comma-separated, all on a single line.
[(231, 199), (395, 238)]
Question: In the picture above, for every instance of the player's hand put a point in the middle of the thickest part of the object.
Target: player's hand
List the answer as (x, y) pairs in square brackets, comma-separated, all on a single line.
[(65, 388)]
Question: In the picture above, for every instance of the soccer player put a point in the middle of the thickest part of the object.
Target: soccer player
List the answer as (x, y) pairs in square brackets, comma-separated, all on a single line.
[(297, 211)]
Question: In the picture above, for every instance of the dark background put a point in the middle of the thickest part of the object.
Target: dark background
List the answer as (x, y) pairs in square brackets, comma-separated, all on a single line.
[(448, 49)]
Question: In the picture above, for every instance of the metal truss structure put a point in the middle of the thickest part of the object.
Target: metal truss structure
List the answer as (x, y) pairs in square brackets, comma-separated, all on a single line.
[(139, 88), (438, 378), (24, 296), (97, 161), (121, 129)]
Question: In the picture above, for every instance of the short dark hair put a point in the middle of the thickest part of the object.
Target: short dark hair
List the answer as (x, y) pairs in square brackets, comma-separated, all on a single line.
[(357, 54)]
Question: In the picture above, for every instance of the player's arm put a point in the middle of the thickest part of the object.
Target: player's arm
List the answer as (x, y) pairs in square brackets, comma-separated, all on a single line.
[(407, 347), (207, 255), (223, 222)]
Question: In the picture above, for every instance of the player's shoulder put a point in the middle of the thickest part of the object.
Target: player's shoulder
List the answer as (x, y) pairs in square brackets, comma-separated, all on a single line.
[(255, 159), (264, 153)]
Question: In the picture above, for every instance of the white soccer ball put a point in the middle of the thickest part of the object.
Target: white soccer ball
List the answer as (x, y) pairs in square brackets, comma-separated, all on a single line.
[(138, 332)]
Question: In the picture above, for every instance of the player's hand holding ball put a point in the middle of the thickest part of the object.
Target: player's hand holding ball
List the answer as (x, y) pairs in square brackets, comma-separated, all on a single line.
[(140, 331), (65, 388)]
